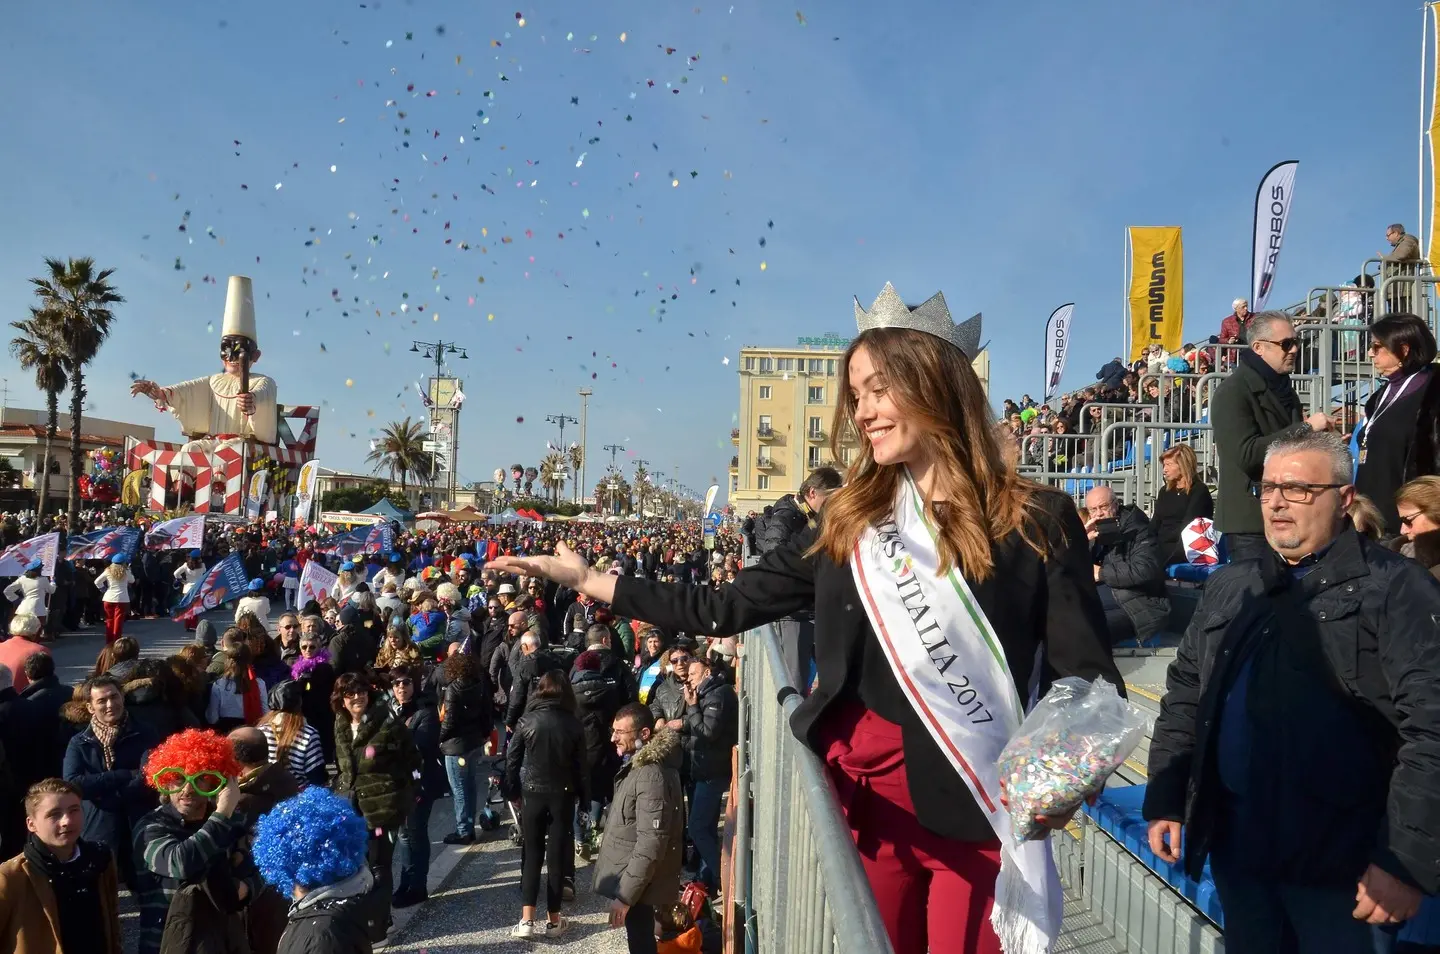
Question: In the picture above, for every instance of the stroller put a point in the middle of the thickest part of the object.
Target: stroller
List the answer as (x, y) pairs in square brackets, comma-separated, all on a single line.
[(489, 820)]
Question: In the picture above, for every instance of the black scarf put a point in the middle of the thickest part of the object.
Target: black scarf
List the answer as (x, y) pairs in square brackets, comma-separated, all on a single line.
[(1278, 384), (76, 884)]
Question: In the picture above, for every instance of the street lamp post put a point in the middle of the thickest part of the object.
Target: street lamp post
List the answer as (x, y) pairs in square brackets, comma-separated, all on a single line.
[(584, 448), (438, 350)]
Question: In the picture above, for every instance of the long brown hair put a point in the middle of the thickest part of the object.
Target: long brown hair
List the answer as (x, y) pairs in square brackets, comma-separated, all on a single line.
[(1184, 457), (932, 383)]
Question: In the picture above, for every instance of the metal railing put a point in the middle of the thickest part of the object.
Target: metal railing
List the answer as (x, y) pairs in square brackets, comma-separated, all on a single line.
[(797, 874)]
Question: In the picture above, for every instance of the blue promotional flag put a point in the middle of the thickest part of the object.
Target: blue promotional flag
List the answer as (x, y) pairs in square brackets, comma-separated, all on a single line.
[(225, 581), (103, 544), (376, 539)]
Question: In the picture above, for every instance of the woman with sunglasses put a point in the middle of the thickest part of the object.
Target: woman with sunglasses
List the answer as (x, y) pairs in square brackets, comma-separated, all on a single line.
[(377, 759), (416, 708), (1418, 506), (1399, 439), (315, 675), (190, 841)]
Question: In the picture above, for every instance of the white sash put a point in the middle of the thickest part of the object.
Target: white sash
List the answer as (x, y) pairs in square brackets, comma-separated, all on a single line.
[(952, 669)]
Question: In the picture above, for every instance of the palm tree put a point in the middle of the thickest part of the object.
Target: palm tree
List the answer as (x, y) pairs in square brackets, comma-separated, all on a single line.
[(642, 481), (400, 450), (577, 460), (38, 349), (554, 471), (78, 299)]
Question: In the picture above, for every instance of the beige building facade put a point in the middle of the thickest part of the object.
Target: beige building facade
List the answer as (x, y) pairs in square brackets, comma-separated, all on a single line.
[(788, 396)]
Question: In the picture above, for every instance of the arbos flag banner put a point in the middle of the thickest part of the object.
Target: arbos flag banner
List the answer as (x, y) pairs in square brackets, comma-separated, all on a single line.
[(1272, 211), (103, 544), (225, 581), (1157, 288), (376, 539), (1057, 343), (44, 548), (182, 533)]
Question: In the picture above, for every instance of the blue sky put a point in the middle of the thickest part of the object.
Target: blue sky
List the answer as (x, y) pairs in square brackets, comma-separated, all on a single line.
[(995, 151)]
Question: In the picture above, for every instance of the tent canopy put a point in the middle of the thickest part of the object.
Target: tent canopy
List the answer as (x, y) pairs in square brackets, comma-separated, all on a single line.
[(384, 508)]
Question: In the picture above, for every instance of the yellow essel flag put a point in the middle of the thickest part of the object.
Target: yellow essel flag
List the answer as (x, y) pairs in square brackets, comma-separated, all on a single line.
[(1157, 288)]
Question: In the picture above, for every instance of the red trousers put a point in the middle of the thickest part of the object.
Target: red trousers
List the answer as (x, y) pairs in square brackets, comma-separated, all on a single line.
[(934, 893), (115, 614)]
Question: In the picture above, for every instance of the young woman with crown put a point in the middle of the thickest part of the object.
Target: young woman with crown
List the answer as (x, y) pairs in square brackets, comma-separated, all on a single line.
[(948, 591)]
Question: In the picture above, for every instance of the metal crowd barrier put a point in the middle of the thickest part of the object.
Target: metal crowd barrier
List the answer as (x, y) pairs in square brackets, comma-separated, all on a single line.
[(797, 874)]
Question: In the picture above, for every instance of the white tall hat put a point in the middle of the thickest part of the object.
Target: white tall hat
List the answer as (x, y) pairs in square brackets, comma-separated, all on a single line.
[(239, 309)]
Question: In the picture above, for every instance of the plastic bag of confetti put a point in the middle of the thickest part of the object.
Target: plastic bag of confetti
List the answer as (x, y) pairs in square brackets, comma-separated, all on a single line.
[(1066, 748)]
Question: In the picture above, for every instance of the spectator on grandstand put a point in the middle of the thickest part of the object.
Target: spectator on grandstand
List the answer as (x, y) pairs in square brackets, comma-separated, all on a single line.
[(1292, 740), (1112, 375), (644, 847), (1399, 439), (1184, 498), (1419, 506), (1400, 262), (1232, 326), (1129, 573), (1367, 520), (1252, 408), (1404, 247)]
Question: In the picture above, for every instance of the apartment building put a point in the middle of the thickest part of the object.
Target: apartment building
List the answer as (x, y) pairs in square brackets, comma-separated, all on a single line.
[(788, 396)]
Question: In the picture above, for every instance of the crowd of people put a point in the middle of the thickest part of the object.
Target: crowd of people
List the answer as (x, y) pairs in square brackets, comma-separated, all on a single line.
[(429, 675)]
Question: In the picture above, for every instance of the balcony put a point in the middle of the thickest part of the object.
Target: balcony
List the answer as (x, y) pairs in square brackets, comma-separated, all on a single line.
[(815, 436), (764, 462), (735, 435), (765, 432), (735, 462)]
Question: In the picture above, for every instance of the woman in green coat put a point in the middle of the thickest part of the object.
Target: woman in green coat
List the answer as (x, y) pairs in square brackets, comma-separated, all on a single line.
[(377, 761)]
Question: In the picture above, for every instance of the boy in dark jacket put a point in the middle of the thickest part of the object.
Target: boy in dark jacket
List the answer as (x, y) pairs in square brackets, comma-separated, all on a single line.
[(312, 847)]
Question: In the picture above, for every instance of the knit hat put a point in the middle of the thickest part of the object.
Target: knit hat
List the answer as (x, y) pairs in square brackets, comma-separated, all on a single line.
[(311, 840), (589, 661)]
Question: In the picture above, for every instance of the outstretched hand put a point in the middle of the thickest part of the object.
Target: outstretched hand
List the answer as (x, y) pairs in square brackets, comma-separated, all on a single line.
[(567, 567)]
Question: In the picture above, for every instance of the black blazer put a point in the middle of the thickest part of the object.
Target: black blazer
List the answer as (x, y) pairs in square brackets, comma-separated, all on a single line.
[(1247, 418), (1033, 604)]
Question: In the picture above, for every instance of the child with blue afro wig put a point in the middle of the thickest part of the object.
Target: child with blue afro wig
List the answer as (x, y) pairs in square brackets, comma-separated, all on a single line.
[(309, 841)]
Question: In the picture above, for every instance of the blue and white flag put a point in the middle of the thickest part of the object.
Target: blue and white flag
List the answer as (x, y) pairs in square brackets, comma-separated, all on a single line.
[(225, 581), (103, 544), (376, 539), (182, 533), (44, 548)]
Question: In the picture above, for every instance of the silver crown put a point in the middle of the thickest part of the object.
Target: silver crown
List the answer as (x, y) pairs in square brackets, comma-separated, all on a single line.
[(933, 318)]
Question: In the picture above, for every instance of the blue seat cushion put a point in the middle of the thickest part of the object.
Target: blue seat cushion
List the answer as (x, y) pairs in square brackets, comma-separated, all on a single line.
[(1190, 572), (1117, 811)]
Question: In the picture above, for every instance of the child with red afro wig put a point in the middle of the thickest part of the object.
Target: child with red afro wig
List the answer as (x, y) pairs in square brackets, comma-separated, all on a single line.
[(192, 751)]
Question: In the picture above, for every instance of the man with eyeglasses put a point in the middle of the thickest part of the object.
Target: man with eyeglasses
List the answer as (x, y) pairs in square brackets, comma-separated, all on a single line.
[(1297, 740), (1252, 408)]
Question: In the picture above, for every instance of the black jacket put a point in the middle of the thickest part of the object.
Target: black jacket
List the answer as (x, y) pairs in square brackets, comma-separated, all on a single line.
[(1174, 511), (525, 672), (423, 722), (330, 920), (1246, 417), (1112, 375), (39, 733), (466, 723), (598, 696), (668, 699), (711, 729), (781, 524), (1404, 444), (547, 753), (1130, 565), (1344, 712), (1032, 604)]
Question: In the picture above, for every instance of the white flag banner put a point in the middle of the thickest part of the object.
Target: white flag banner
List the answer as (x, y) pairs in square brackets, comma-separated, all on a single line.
[(316, 583), (255, 499), (305, 491), (1057, 344), (1272, 211), (44, 548)]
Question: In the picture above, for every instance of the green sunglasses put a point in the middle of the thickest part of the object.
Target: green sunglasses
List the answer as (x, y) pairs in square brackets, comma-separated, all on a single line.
[(171, 781)]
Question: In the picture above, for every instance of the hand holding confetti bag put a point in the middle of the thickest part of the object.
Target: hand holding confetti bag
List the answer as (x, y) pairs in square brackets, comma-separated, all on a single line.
[(1066, 748)]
